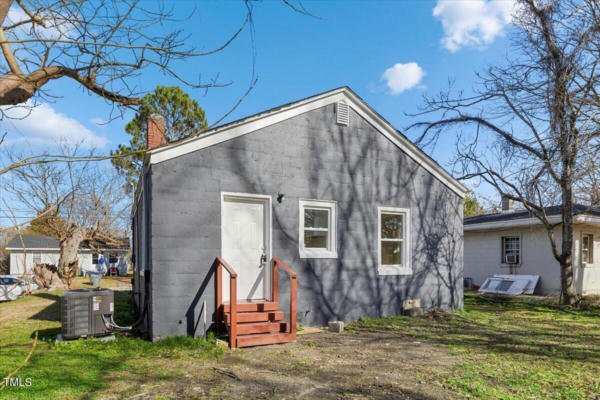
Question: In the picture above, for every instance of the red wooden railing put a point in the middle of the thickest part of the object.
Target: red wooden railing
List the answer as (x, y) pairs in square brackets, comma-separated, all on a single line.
[(293, 291), (220, 264)]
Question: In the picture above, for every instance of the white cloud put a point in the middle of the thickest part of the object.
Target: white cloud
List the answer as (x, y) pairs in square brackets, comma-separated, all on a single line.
[(53, 29), (44, 126), (402, 77), (474, 23)]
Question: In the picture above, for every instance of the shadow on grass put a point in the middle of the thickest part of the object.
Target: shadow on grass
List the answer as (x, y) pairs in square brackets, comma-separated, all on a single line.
[(52, 311), (511, 328), (82, 367), (48, 334)]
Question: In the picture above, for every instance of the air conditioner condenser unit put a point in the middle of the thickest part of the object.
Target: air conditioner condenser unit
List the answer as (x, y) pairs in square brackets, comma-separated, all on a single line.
[(82, 312)]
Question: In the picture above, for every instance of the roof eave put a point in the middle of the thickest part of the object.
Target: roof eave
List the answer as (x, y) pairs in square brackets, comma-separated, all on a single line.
[(525, 222), (275, 115)]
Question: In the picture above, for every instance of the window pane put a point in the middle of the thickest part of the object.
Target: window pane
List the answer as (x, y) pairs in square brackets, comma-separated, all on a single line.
[(512, 249), (315, 239), (391, 253), (587, 245), (391, 226), (316, 218)]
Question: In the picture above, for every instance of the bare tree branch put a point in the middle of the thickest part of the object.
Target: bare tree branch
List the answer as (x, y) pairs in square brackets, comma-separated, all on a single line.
[(540, 112)]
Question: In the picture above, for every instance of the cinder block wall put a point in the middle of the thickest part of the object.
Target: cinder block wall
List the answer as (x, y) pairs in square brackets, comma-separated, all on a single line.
[(309, 157)]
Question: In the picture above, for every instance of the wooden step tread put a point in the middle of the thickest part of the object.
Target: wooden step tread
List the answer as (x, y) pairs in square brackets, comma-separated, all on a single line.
[(272, 316), (261, 327), (253, 305), (263, 338)]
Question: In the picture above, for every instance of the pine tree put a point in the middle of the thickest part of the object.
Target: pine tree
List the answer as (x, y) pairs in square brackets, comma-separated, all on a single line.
[(183, 117), (471, 205)]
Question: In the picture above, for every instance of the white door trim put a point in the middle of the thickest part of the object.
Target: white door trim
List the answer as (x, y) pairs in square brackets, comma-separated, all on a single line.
[(268, 230)]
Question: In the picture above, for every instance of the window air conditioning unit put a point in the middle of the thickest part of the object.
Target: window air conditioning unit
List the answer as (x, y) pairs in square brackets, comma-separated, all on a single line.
[(511, 259)]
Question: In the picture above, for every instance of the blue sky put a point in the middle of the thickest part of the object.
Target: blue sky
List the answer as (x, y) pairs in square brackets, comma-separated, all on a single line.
[(421, 44)]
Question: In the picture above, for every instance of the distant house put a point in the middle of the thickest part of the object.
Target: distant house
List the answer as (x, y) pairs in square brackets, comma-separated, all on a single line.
[(515, 242), (323, 185), (28, 250)]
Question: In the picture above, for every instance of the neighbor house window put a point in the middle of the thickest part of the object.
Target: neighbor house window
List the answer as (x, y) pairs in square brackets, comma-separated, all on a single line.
[(95, 258), (587, 248), (511, 250), (317, 229), (37, 258), (393, 246)]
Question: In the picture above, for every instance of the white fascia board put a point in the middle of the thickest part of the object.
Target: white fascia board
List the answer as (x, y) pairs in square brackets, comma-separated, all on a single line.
[(50, 249), (587, 219), (260, 121), (34, 248), (243, 127), (524, 222)]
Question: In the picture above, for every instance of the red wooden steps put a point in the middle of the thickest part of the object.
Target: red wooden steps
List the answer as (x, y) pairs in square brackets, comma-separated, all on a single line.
[(262, 339), (253, 305), (258, 323), (254, 322), (268, 316), (261, 327)]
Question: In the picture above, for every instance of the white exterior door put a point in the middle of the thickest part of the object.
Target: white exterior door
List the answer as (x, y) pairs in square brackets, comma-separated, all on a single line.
[(245, 230)]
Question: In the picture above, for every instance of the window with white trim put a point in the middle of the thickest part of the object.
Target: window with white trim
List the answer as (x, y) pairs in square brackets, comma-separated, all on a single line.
[(317, 229), (587, 248), (393, 237), (511, 250), (37, 258)]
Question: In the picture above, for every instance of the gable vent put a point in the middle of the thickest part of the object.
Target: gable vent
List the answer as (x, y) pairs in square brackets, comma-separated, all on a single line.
[(342, 113)]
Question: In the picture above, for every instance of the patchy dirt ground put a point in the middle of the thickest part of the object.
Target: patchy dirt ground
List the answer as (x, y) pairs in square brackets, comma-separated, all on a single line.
[(358, 364), (353, 365), (382, 365), (504, 349)]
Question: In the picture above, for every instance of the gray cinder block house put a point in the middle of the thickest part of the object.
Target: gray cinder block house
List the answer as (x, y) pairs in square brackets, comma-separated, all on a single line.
[(319, 208)]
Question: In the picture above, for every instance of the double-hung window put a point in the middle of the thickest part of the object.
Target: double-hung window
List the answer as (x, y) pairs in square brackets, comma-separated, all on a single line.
[(37, 258), (317, 229), (587, 248), (393, 247), (511, 250)]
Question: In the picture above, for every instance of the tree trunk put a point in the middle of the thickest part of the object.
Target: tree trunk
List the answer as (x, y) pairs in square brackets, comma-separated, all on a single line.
[(569, 295), (4, 7), (46, 277), (68, 261)]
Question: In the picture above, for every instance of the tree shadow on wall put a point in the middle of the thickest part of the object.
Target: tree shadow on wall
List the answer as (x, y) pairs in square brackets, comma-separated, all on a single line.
[(361, 170)]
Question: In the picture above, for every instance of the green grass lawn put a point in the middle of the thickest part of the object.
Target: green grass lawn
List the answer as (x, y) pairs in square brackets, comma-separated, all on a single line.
[(80, 368), (512, 349)]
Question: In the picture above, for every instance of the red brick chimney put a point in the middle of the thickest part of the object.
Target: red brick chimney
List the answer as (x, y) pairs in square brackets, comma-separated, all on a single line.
[(156, 131)]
